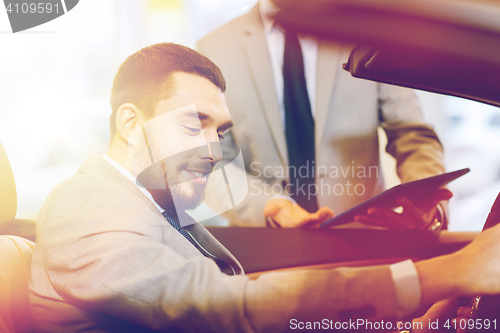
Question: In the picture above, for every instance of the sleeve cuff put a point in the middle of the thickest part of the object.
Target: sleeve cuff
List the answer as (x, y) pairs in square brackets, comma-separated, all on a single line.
[(407, 285)]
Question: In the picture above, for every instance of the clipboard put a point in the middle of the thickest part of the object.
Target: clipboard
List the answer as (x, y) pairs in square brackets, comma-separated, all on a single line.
[(415, 191)]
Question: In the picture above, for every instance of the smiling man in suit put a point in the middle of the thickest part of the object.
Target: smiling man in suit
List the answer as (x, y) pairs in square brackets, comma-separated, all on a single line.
[(116, 252), (295, 109)]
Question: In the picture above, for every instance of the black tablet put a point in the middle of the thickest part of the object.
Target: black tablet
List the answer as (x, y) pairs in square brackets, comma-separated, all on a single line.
[(415, 191)]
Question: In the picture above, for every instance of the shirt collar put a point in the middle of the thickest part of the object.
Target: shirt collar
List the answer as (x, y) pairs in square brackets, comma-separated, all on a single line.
[(268, 11), (132, 178)]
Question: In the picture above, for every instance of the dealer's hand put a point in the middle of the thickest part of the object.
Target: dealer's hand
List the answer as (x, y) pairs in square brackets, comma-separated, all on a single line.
[(289, 215), (413, 216)]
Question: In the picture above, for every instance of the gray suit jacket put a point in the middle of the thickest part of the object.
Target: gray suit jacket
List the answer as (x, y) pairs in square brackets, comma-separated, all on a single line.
[(106, 260), (348, 113)]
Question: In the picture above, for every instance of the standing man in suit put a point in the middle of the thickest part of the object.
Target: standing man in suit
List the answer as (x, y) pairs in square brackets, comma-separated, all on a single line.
[(295, 109), (115, 251)]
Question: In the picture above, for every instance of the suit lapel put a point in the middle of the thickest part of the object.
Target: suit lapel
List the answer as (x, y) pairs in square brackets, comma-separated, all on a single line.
[(326, 72), (259, 63), (212, 245)]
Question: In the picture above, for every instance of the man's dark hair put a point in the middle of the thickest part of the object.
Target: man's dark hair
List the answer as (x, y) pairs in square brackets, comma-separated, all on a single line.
[(145, 78)]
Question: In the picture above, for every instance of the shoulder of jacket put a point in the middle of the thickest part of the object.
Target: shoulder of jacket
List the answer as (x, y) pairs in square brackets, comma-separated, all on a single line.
[(229, 31)]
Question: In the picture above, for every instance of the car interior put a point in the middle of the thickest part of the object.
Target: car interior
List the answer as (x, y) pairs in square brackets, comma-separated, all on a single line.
[(15, 259)]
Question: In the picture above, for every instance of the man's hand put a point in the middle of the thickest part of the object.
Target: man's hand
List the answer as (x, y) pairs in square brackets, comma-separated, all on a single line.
[(413, 216), (289, 215), (472, 270), (440, 312), (480, 259)]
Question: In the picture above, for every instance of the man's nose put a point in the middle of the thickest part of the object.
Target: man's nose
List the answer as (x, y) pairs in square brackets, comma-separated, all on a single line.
[(211, 150)]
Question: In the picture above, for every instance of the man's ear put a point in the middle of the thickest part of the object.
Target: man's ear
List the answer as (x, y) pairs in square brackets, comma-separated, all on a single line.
[(127, 118)]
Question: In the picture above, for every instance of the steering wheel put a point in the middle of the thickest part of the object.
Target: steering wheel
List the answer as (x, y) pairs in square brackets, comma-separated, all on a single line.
[(485, 315)]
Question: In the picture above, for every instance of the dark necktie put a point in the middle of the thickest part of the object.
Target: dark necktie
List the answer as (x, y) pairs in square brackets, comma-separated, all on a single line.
[(299, 125), (174, 222), (223, 265)]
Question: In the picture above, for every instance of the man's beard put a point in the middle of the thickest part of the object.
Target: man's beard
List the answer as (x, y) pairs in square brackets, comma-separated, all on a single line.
[(164, 183)]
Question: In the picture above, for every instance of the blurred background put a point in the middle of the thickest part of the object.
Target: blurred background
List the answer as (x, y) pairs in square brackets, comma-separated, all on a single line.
[(55, 81)]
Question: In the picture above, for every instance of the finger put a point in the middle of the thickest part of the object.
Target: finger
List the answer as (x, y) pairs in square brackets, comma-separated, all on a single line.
[(442, 194), (312, 217), (440, 311), (393, 218), (461, 324), (313, 220), (321, 214), (413, 216), (325, 213), (309, 221), (384, 213), (445, 308), (310, 224), (464, 311), (432, 198)]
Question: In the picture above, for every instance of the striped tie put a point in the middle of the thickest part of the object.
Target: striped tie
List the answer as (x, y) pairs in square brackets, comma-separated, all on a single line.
[(224, 266), (175, 223)]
